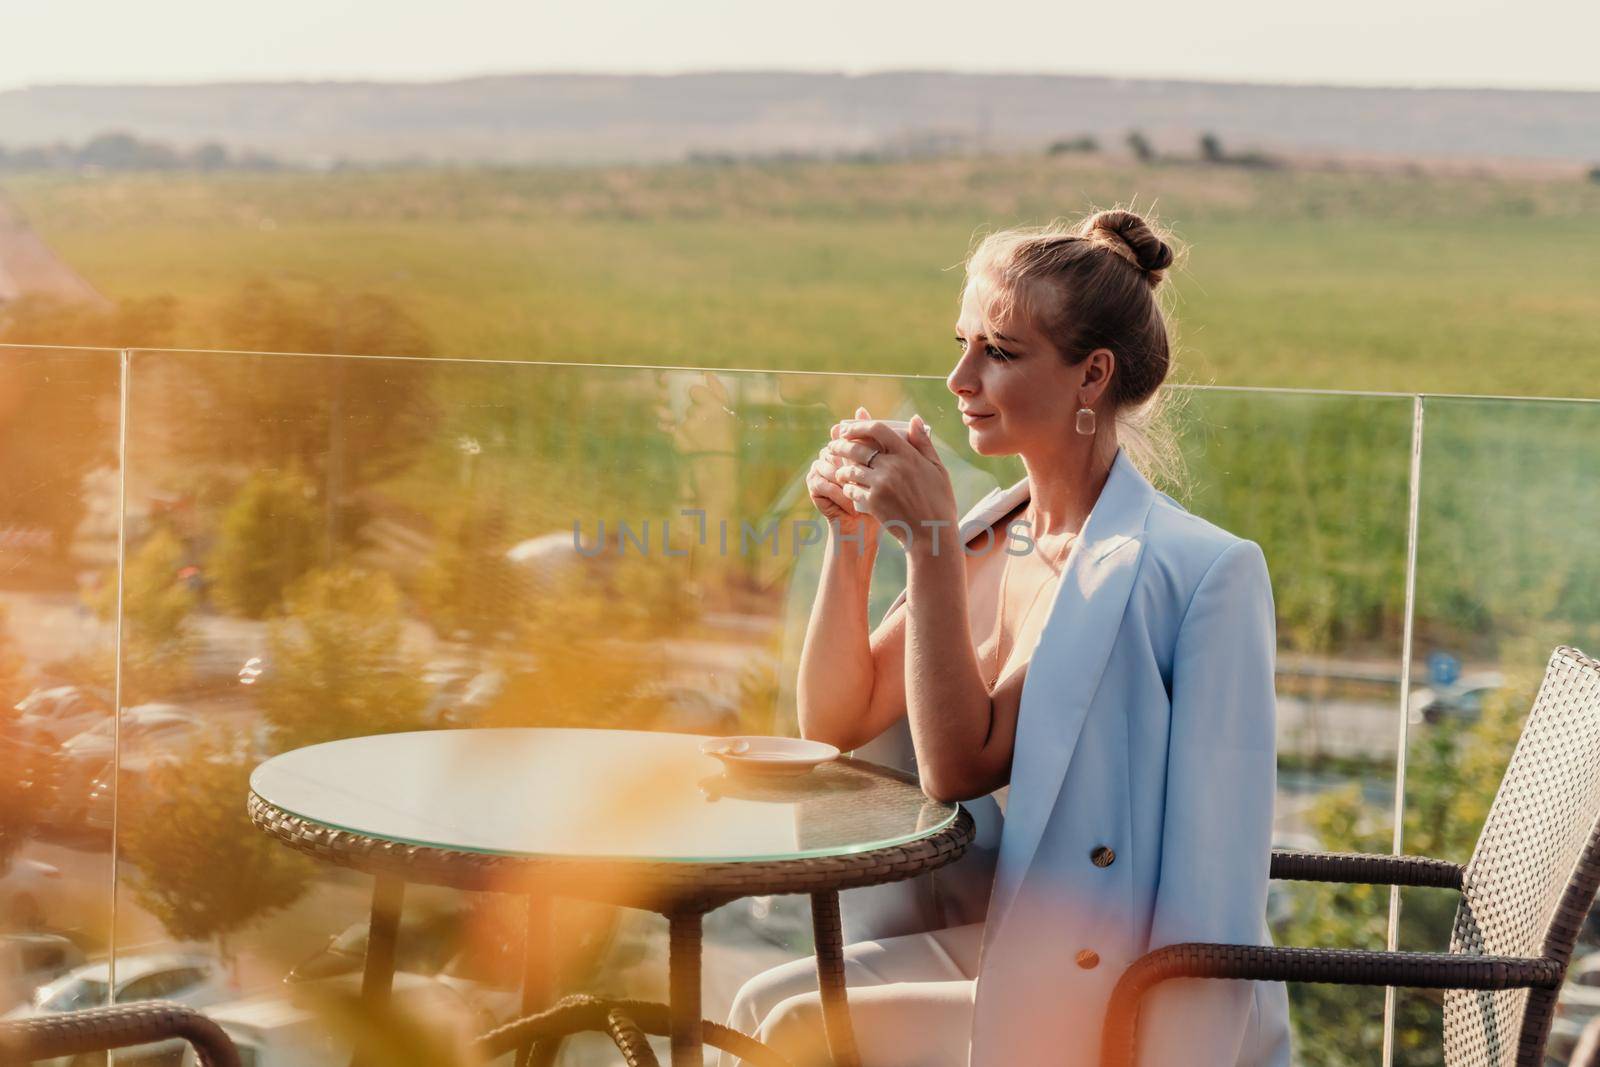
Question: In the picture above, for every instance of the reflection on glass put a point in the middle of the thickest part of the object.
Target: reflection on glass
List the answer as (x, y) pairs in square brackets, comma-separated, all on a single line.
[(59, 493), (1506, 572), (321, 548), (1321, 483), (73, 994)]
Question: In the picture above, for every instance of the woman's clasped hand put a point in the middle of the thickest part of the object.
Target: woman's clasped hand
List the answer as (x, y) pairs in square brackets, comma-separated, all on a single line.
[(870, 471)]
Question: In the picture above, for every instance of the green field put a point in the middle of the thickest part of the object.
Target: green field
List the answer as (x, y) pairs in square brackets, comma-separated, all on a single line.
[(1397, 281), (1401, 281)]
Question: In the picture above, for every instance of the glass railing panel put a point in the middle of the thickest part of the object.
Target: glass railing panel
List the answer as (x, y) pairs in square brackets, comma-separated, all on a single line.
[(1321, 482), (60, 492), (1507, 569), (349, 546), (277, 599), (392, 544)]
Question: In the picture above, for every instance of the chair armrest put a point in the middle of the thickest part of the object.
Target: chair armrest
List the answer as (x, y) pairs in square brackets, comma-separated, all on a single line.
[(1359, 868), (1417, 970), (73, 1033)]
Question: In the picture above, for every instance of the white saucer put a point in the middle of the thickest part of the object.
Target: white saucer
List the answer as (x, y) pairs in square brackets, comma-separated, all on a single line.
[(773, 756)]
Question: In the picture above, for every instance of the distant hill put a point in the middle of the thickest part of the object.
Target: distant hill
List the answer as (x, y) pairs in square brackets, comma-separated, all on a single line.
[(619, 118)]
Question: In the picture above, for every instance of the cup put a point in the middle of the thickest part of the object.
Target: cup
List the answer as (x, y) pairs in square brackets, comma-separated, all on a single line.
[(901, 426)]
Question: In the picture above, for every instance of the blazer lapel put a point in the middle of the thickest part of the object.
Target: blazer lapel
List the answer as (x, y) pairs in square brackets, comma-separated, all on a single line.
[(1065, 668)]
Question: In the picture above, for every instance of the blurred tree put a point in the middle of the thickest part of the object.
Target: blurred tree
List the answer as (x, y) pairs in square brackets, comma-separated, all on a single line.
[(209, 156), (1453, 772), (346, 423), (203, 870), (123, 151), (13, 668), (1211, 148), (586, 655), (270, 536), (19, 795), (336, 661), (120, 151), (263, 316), (58, 411), (1073, 145), (157, 641), (21, 764), (1140, 146), (466, 588), (38, 319)]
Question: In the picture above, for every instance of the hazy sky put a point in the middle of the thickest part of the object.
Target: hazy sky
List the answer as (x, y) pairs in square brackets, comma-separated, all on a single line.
[(1528, 43)]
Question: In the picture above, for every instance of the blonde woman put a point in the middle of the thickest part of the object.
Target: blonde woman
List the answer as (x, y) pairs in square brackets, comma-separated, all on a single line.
[(1093, 657)]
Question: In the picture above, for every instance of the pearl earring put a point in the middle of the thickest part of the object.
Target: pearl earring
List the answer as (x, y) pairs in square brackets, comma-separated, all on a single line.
[(1086, 421)]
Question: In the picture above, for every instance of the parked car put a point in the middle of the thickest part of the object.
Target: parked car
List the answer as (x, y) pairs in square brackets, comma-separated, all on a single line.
[(459, 699), (1280, 895), (189, 978), (1586, 1048), (28, 961), (100, 801), (285, 1029), (687, 707), (1576, 1007), (486, 972), (192, 979), (1586, 973), (58, 712), (25, 892), (1461, 699), (425, 943), (98, 805), (461, 688), (142, 724), (149, 731)]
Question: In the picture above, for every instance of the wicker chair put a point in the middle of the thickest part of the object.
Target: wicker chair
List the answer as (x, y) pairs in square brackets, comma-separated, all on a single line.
[(626, 1021), (73, 1033), (1524, 896)]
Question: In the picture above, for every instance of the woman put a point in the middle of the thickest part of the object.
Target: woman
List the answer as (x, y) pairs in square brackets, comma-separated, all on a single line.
[(1135, 750)]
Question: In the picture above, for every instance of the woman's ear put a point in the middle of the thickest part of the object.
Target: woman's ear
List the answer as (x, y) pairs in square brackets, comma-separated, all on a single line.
[(1099, 367)]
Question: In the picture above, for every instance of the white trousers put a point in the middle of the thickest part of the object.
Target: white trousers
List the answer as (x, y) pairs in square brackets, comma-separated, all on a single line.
[(910, 1000)]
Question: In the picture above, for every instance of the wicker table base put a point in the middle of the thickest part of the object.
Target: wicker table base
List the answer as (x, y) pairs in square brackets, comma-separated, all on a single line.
[(683, 892)]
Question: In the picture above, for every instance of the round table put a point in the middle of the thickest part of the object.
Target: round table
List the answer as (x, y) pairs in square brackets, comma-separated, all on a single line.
[(633, 818)]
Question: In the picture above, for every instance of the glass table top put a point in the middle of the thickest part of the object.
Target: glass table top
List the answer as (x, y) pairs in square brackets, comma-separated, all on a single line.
[(601, 794)]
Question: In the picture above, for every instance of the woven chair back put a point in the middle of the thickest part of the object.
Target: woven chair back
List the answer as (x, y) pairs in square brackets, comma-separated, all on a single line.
[(1533, 873)]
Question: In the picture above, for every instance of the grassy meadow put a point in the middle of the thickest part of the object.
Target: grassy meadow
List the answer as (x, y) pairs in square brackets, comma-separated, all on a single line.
[(1399, 279), (1394, 280), (1371, 280)]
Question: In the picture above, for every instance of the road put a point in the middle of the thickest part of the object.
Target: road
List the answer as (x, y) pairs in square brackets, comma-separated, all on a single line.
[(1366, 729), (29, 266)]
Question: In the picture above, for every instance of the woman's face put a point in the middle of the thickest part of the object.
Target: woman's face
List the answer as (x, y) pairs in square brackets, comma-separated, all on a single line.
[(1016, 392)]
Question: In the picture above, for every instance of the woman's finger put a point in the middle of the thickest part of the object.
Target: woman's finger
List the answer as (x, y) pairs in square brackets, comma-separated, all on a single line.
[(829, 490), (851, 472), (854, 451), (818, 482), (823, 470), (877, 433)]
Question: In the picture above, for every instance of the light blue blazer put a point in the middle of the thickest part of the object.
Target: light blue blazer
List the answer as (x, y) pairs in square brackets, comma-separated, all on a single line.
[(1147, 728)]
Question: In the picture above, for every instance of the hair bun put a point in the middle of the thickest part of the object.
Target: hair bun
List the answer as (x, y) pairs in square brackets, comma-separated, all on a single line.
[(1129, 236)]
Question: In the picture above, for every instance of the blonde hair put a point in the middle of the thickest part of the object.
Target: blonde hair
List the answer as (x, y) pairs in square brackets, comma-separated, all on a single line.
[(1089, 285)]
